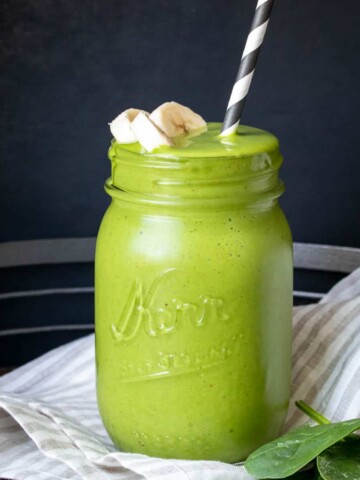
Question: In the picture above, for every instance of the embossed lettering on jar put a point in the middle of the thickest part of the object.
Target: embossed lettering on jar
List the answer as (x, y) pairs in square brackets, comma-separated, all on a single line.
[(194, 298)]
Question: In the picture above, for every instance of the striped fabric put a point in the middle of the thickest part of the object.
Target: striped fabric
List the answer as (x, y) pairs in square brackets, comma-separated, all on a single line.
[(50, 428)]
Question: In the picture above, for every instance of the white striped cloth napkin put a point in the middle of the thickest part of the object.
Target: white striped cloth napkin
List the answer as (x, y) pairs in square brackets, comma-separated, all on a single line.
[(50, 428)]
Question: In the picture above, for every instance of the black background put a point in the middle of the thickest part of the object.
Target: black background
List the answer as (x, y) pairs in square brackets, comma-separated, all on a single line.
[(68, 68)]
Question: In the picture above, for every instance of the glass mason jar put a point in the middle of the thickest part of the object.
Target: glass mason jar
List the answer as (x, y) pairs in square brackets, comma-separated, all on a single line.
[(194, 298)]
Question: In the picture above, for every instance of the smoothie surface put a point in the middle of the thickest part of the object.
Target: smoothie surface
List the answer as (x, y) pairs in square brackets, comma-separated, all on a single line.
[(248, 141)]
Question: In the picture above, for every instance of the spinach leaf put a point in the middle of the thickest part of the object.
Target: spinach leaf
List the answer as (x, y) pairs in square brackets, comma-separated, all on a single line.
[(307, 475), (319, 418), (302, 476), (291, 452), (311, 474), (341, 461)]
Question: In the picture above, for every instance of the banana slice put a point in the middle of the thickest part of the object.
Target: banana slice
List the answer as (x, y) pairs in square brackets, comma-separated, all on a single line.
[(120, 126), (147, 133), (175, 119)]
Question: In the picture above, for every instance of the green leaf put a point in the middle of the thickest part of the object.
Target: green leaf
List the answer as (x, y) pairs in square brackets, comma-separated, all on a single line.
[(341, 461), (308, 475), (291, 452), (318, 417)]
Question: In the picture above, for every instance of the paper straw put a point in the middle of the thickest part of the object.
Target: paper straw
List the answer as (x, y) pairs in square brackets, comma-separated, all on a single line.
[(247, 67)]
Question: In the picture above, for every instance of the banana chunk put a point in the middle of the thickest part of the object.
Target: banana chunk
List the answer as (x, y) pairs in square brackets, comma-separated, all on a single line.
[(147, 133), (120, 127), (175, 119)]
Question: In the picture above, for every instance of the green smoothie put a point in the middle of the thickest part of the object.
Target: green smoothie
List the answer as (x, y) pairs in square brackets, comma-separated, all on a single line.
[(194, 297)]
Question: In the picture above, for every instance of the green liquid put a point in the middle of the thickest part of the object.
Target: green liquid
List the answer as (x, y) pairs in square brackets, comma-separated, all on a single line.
[(194, 298), (248, 142)]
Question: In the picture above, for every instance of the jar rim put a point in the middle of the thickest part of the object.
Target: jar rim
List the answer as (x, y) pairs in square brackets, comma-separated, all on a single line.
[(245, 170), (254, 200)]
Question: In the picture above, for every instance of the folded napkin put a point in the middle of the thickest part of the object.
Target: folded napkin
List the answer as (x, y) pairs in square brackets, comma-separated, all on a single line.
[(50, 427)]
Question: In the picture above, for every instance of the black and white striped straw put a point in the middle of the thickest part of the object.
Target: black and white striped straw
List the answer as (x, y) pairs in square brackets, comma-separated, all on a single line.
[(247, 67)]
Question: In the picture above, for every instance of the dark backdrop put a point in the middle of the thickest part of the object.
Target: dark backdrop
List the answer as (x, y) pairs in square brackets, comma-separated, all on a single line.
[(67, 68)]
